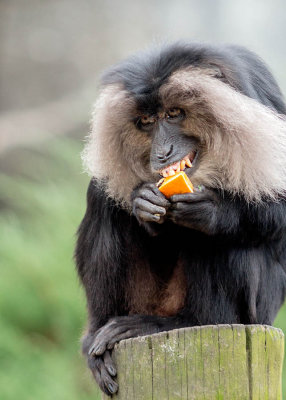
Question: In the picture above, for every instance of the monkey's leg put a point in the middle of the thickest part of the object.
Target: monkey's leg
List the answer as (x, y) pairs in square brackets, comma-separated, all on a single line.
[(200, 311)]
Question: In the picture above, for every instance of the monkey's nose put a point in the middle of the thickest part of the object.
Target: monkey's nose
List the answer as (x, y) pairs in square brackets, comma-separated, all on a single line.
[(165, 153)]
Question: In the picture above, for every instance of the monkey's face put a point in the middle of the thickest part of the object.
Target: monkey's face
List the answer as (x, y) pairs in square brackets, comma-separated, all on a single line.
[(172, 149), (141, 131)]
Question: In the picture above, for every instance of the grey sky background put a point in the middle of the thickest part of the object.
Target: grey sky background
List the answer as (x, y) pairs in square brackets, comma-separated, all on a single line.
[(52, 52)]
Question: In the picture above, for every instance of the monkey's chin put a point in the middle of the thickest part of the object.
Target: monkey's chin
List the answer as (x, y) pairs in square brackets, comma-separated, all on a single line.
[(185, 164)]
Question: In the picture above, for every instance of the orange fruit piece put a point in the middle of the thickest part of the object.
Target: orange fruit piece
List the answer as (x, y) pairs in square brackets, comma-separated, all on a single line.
[(176, 184)]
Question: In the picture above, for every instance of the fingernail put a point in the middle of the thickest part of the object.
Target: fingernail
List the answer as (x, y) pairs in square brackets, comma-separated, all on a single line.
[(98, 350), (111, 388), (112, 371), (94, 349)]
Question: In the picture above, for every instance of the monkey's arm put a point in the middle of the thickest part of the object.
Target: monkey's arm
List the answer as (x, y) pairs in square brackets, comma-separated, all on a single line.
[(99, 262)]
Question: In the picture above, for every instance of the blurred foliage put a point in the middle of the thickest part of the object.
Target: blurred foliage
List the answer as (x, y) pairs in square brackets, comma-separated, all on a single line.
[(42, 306)]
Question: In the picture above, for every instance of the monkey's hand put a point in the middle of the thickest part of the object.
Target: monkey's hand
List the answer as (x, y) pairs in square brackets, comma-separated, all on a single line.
[(198, 210), (149, 206)]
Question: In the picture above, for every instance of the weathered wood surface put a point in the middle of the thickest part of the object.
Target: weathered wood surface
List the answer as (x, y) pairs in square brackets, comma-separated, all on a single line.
[(217, 362)]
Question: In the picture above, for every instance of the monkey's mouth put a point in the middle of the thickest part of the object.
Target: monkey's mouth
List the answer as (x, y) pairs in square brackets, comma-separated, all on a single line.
[(186, 162)]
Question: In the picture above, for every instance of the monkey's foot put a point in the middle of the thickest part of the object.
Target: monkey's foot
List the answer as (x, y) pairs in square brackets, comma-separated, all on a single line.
[(103, 370)]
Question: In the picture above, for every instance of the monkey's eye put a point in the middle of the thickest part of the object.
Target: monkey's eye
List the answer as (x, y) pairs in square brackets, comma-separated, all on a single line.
[(147, 120), (174, 113)]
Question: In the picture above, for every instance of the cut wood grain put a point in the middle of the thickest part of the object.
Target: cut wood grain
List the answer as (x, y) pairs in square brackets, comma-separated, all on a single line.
[(216, 362)]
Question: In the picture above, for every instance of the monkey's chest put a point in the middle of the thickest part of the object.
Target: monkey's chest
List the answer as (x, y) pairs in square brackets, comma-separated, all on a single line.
[(150, 293)]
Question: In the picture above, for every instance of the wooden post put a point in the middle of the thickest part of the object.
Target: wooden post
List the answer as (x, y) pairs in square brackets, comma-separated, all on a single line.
[(216, 362)]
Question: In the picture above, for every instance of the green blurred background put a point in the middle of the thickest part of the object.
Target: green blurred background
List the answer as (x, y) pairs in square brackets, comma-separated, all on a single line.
[(51, 54)]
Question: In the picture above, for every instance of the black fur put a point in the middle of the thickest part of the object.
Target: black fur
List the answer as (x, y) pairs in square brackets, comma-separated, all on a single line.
[(144, 73), (233, 253)]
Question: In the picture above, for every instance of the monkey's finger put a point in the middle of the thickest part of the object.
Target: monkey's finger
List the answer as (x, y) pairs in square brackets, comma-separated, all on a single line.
[(153, 187), (147, 217), (191, 197), (156, 191), (145, 205), (155, 198), (109, 364), (186, 197), (192, 209)]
